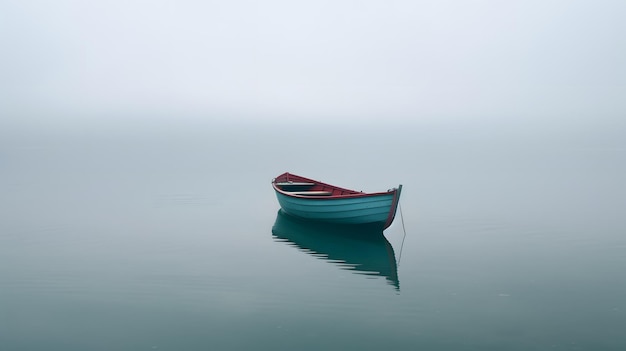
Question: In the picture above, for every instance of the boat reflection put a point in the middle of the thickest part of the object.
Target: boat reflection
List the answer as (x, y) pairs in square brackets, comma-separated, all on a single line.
[(360, 249)]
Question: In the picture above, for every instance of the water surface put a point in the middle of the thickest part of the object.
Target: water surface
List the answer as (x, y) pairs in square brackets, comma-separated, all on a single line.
[(166, 239)]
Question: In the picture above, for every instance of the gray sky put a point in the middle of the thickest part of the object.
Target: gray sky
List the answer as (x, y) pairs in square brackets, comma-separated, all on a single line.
[(434, 60)]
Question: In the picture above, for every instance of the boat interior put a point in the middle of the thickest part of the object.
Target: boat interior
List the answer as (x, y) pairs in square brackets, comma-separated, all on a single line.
[(311, 188)]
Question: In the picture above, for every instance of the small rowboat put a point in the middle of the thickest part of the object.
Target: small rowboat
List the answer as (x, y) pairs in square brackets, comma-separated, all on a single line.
[(313, 200)]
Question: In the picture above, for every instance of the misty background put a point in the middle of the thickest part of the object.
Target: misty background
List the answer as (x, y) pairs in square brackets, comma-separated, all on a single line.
[(556, 65)]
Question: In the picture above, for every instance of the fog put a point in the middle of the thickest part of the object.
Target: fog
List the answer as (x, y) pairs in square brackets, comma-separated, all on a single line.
[(74, 64)]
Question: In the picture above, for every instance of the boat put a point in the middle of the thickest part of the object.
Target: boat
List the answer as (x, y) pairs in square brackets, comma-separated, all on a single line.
[(361, 250), (317, 201)]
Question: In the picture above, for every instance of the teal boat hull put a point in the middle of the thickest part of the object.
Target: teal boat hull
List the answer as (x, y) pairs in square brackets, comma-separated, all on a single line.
[(372, 210)]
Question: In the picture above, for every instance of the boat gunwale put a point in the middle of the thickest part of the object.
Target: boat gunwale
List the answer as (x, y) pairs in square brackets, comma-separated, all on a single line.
[(356, 194)]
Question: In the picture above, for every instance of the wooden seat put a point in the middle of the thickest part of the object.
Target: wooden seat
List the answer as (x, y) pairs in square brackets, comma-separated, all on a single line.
[(294, 184), (310, 193)]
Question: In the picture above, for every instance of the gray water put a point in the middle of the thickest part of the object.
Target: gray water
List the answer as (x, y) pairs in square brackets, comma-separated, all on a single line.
[(161, 238)]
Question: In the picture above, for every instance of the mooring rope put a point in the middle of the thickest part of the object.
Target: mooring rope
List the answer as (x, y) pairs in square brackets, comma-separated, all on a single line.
[(404, 230)]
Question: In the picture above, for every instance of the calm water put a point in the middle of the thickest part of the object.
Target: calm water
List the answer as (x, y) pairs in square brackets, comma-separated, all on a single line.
[(171, 239)]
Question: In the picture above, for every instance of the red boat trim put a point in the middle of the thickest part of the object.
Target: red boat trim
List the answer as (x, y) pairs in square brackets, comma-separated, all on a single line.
[(343, 193)]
